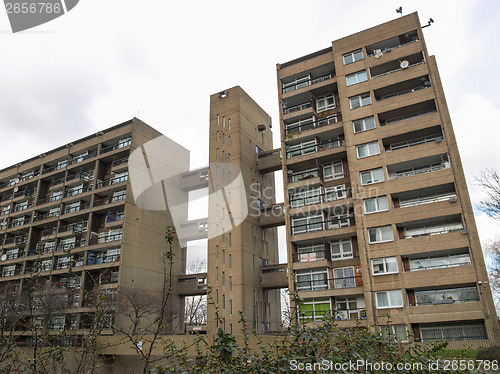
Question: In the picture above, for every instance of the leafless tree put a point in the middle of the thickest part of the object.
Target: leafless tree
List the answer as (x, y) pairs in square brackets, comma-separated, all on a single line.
[(489, 180), (195, 307)]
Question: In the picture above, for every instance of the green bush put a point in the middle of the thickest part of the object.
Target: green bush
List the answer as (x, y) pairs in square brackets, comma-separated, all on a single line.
[(490, 353)]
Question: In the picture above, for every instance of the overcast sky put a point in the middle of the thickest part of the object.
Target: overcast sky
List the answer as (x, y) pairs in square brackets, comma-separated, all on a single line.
[(108, 61)]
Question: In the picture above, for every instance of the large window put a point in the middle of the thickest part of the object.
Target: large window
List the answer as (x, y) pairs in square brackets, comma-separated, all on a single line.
[(312, 280), (372, 176), (368, 149), (307, 197), (341, 249), (389, 299), (307, 224), (338, 220), (439, 262), (344, 277), (296, 84), (304, 174), (300, 125), (433, 229), (387, 265), (360, 100), (325, 102), (453, 331), (300, 149), (335, 192), (394, 333), (376, 204), (447, 296), (357, 77), (312, 252), (353, 56), (333, 171), (380, 234), (315, 309), (364, 124), (349, 308)]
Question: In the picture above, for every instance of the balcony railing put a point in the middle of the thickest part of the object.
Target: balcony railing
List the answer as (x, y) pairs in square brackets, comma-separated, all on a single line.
[(301, 127), (314, 148), (76, 228), (41, 217), (50, 231), (122, 144), (21, 240), (114, 217), (306, 82), (309, 256), (57, 181), (10, 273), (79, 159), (49, 199), (21, 207), (6, 198), (106, 239), (23, 222), (319, 198), (408, 116), (418, 141), (110, 199), (332, 223), (119, 162), (67, 246), (420, 170), (74, 209), (112, 181), (339, 315), (328, 283), (78, 191), (429, 231), (404, 203), (25, 193), (303, 175), (298, 107), (403, 92)]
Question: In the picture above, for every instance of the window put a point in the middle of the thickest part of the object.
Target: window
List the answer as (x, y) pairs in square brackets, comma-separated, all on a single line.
[(360, 100), (344, 277), (217, 154), (376, 204), (338, 220), (300, 149), (368, 149), (333, 171), (380, 234), (312, 252), (394, 333), (229, 239), (447, 296), (389, 299), (314, 309), (223, 256), (230, 283), (228, 143), (372, 176), (433, 229), (335, 192), (324, 103), (312, 280), (341, 249), (56, 195), (387, 265), (439, 262), (230, 262), (74, 190), (307, 197), (300, 125), (349, 308), (355, 78), (354, 56), (217, 138), (296, 84), (304, 174), (453, 331), (307, 224), (364, 124)]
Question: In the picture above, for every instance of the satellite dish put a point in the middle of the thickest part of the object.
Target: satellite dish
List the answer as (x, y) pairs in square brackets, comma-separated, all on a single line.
[(404, 64), (289, 172), (17, 180), (16, 189), (4, 257)]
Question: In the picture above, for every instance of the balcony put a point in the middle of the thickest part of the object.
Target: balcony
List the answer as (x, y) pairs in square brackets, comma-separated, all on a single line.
[(120, 164), (309, 124), (19, 222), (43, 216), (82, 157), (272, 216), (412, 139), (121, 144), (443, 296), (305, 81), (269, 161), (25, 194), (417, 167), (274, 276), (192, 284), (77, 191), (437, 260), (407, 112), (397, 65), (402, 88), (195, 179), (297, 107), (112, 181), (106, 239), (51, 199), (308, 224), (430, 228), (391, 43), (310, 147), (79, 178), (76, 208)]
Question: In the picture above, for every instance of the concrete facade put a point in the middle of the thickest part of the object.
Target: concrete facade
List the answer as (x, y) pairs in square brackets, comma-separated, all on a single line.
[(379, 219)]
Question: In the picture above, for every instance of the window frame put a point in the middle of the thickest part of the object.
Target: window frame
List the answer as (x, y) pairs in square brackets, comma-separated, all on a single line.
[(371, 171), (384, 261), (334, 174), (357, 76), (377, 204), (389, 302), (343, 254), (379, 229), (360, 98), (372, 149), (353, 56), (363, 121), (326, 106)]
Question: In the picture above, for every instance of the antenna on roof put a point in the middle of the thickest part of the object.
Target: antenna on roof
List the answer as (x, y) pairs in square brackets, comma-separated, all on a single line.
[(400, 11), (431, 21)]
